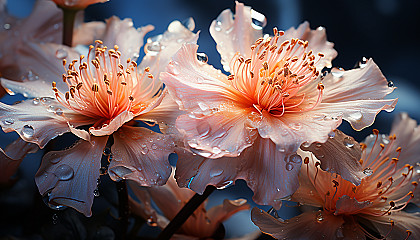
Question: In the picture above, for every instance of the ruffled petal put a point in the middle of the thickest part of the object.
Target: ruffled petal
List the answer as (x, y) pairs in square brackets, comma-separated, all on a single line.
[(271, 174), (36, 121), (359, 113), (196, 87), (236, 33), (308, 225), (113, 125), (69, 177), (347, 205), (220, 134), (339, 154), (140, 155), (160, 49), (403, 221), (317, 40), (12, 156), (123, 34)]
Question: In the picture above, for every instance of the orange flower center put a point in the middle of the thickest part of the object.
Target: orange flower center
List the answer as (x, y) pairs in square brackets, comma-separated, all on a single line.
[(102, 88), (271, 79)]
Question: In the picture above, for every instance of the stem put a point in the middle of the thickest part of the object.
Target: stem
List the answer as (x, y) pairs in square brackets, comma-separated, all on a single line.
[(185, 213), (123, 209), (69, 16)]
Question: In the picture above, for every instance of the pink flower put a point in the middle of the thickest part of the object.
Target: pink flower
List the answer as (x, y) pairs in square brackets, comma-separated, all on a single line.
[(106, 90), (77, 4), (170, 199), (350, 211), (273, 101)]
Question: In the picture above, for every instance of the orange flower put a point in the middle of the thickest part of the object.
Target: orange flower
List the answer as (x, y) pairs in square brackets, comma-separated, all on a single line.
[(274, 100), (105, 90), (352, 212)]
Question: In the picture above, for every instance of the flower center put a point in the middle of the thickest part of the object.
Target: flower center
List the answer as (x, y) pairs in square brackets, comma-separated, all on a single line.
[(275, 75), (102, 88)]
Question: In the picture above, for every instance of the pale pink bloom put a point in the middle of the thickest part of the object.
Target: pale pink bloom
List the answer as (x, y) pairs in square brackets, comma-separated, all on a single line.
[(77, 4), (273, 101), (353, 212), (106, 90), (170, 199)]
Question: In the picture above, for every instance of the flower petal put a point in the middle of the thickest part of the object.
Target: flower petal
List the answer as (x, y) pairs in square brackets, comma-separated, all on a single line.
[(69, 177), (123, 34), (12, 156), (87, 33), (220, 134), (403, 221), (347, 205), (236, 33), (140, 155), (113, 125), (308, 225), (36, 121), (339, 154), (259, 165), (221, 213), (317, 40), (160, 49)]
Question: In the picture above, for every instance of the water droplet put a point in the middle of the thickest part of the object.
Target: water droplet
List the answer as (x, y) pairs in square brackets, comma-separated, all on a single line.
[(258, 20), (154, 146), (295, 158), (337, 72), (289, 166), (225, 184), (46, 100), (96, 192), (363, 62), (189, 23), (61, 53), (56, 26), (357, 116), (319, 217), (272, 211), (218, 26), (318, 145), (348, 142), (390, 84), (203, 129), (35, 101), (384, 140), (28, 131), (295, 126), (7, 26), (59, 111), (8, 121), (331, 134), (56, 207), (202, 57), (368, 171), (306, 144), (216, 172), (216, 150), (64, 172), (152, 48), (51, 108), (144, 149), (54, 217)]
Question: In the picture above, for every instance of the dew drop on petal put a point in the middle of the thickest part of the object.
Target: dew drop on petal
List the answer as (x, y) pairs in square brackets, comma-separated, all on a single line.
[(152, 48), (154, 146), (96, 192), (216, 172), (218, 26), (319, 217), (59, 111), (35, 101), (306, 144), (318, 145), (348, 142), (225, 184), (8, 121), (7, 26), (390, 84), (295, 158), (202, 57), (61, 53), (56, 207), (295, 126), (363, 62), (331, 134), (289, 166), (144, 149), (368, 171), (258, 20), (216, 150), (203, 129), (28, 131), (337, 72), (357, 116), (64, 172)]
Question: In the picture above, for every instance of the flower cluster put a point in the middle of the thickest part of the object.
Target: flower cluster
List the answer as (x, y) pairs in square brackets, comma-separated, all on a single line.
[(271, 120)]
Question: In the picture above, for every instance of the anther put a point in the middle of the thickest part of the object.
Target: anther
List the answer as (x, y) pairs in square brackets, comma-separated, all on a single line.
[(382, 145), (392, 204), (64, 62), (335, 183), (79, 85), (398, 149), (116, 47), (67, 95), (131, 98), (320, 86), (231, 77), (150, 76), (99, 42), (375, 131), (95, 87), (147, 69), (321, 54)]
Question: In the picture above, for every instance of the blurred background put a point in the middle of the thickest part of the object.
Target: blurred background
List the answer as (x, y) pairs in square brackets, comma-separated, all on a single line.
[(385, 30)]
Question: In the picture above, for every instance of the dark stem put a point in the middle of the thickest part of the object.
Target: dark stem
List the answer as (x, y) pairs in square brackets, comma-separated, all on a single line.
[(185, 213), (123, 209), (69, 16)]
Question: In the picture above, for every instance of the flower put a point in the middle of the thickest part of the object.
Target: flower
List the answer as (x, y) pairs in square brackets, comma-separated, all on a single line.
[(274, 100), (170, 199), (77, 4), (105, 90), (371, 209)]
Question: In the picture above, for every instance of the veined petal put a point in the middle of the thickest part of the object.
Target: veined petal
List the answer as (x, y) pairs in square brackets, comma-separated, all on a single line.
[(339, 154), (123, 34), (69, 177), (12, 156), (236, 33), (220, 134), (317, 40), (356, 84), (403, 221), (36, 121), (259, 165), (359, 113), (113, 125), (308, 225), (160, 49), (191, 82), (140, 155)]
